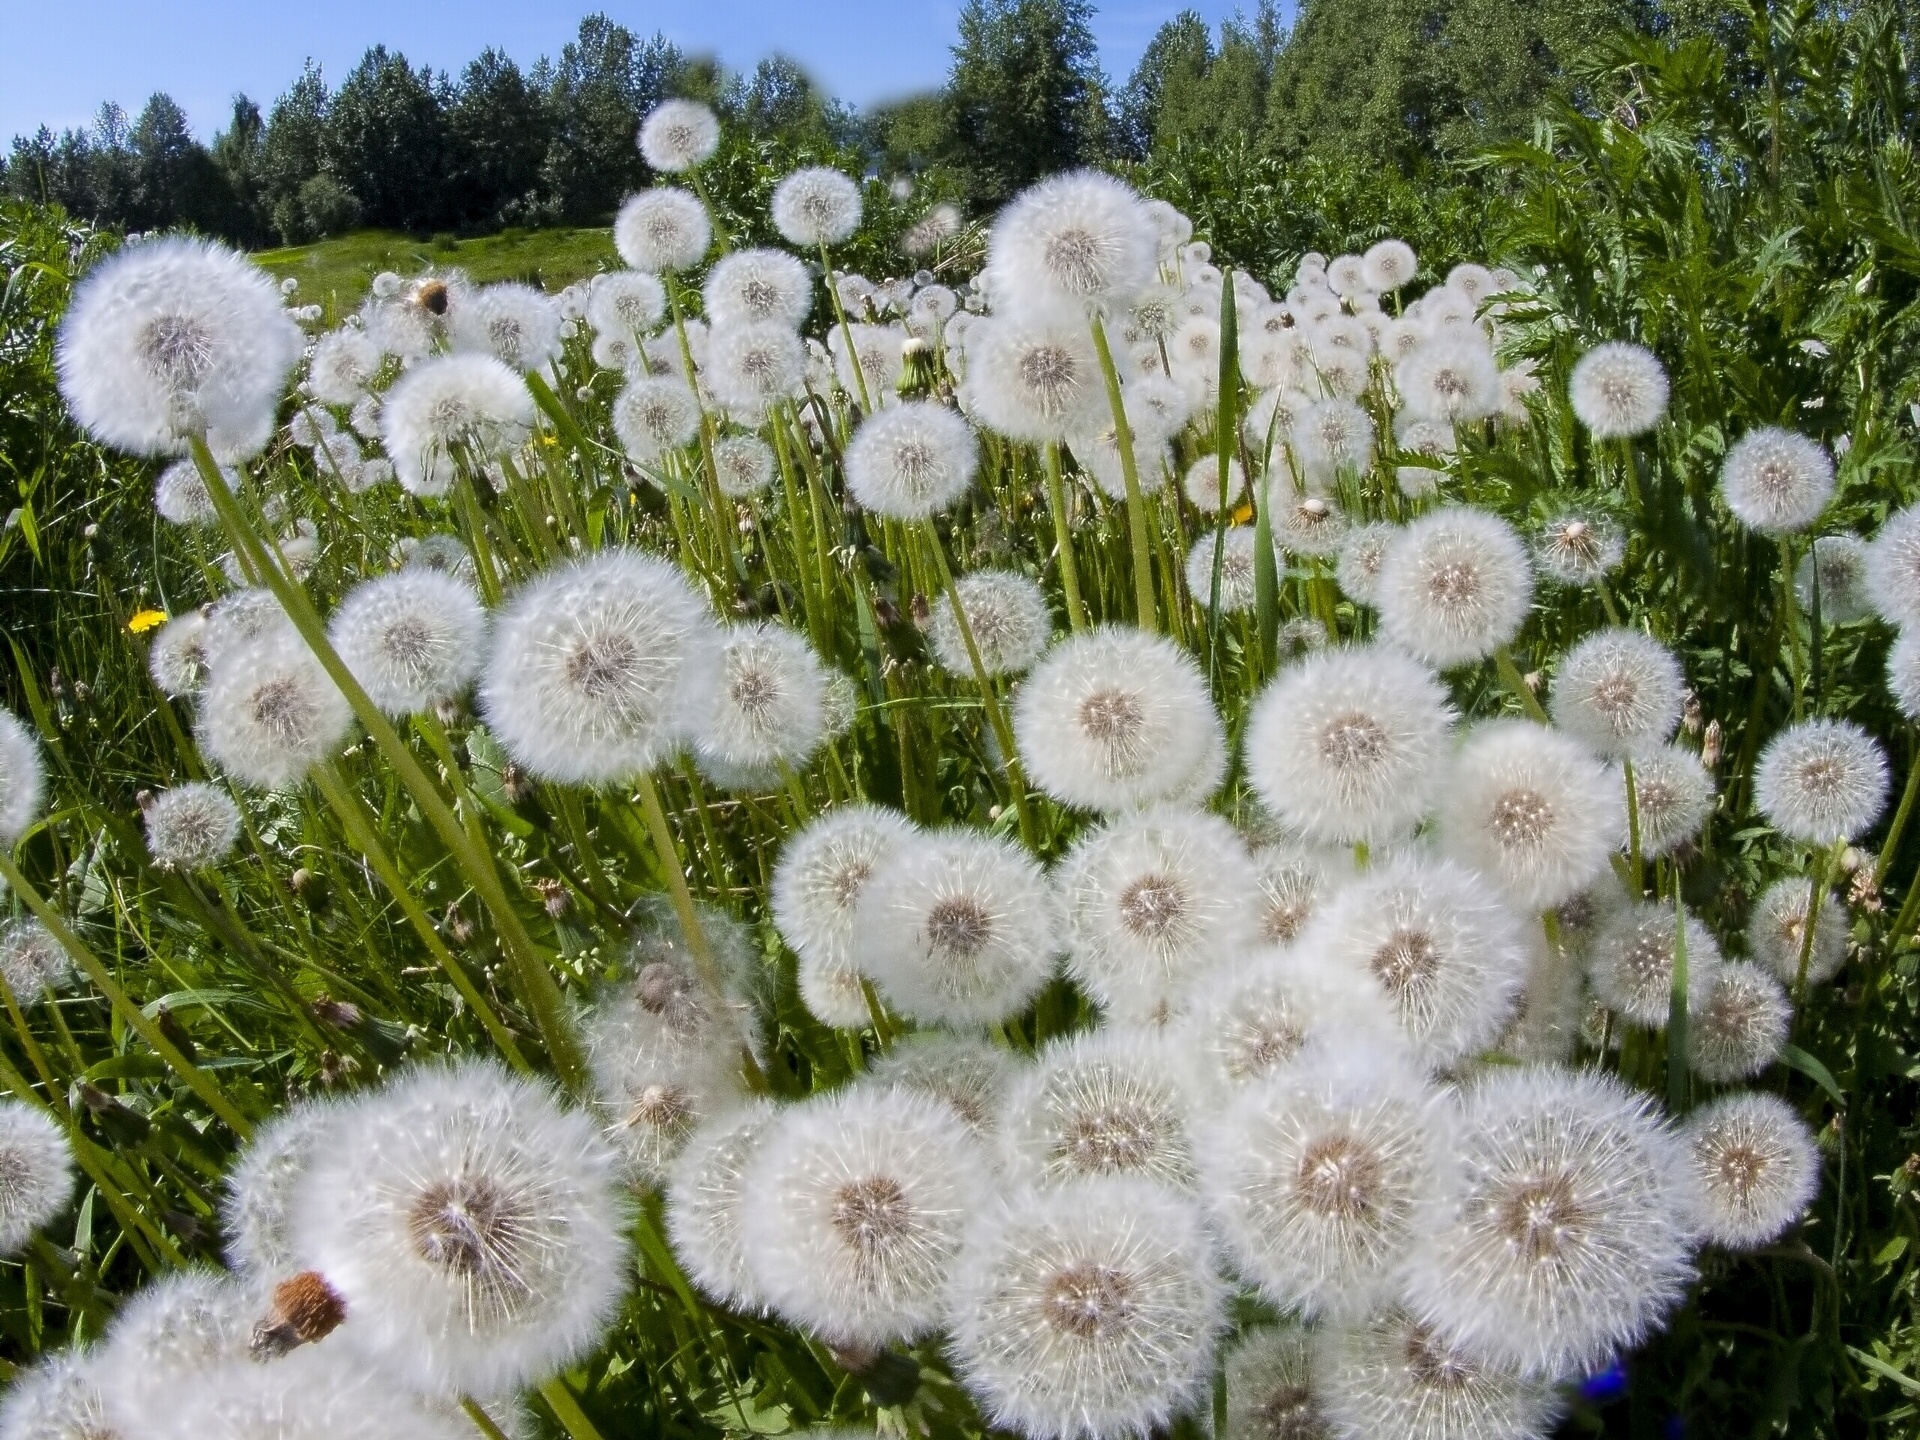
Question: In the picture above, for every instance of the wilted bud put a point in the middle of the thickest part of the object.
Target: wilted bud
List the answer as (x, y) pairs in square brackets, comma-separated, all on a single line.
[(459, 928), (1710, 747), (922, 612), (1690, 717), (1864, 894), (514, 783), (305, 1309), (554, 897), (1533, 680), (340, 1014)]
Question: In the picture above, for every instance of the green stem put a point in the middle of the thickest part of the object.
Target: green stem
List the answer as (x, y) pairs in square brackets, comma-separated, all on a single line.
[(846, 331), (567, 1410), (1130, 474), (1636, 865), (1225, 442), (1900, 818), (1677, 1014), (1516, 682), (1823, 868), (1063, 539)]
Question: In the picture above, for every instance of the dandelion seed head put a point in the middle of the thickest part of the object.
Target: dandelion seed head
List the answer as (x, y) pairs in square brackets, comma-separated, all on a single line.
[(180, 494), (1821, 781), (413, 639), (36, 1171), (1034, 378), (191, 826), (1363, 549), (256, 1215), (516, 324), (743, 466), (269, 711), (629, 304), (1579, 548), (343, 366), (1393, 1375), (752, 365), (1083, 238), (655, 415), (1455, 586), (1237, 579), (1450, 378), (678, 135), (815, 207), (1775, 481), (1332, 436), (1843, 575), (1008, 615), (1673, 795), (758, 286), (1753, 1168), (816, 893), (768, 707), (1388, 265), (1202, 484), (1620, 691), (449, 408), (963, 1071), (1105, 1102), (912, 461), (23, 777), (705, 1195), (1737, 1020), (1618, 390), (59, 1398), (1633, 957), (1776, 932), (1272, 1392), (661, 230)]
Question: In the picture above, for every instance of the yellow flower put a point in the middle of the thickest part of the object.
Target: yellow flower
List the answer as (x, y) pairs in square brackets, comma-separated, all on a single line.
[(145, 620)]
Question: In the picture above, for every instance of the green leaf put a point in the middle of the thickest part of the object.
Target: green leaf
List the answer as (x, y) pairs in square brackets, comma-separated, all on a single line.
[(1795, 1058)]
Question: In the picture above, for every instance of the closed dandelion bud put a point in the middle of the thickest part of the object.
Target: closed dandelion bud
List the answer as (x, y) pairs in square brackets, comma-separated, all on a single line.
[(1821, 781), (662, 229), (1737, 1020), (1455, 586), (1532, 810), (1776, 932), (1620, 691), (36, 1174), (855, 1209), (705, 1195), (1086, 1311), (472, 1228), (1348, 745), (1753, 1169), (269, 711), (1618, 390), (956, 928), (816, 892), (1673, 795), (1775, 481), (1710, 744), (190, 826), (1569, 1241), (1115, 719), (816, 206), (1394, 1375), (1108, 1102), (173, 338), (678, 135), (1152, 904), (1633, 958)]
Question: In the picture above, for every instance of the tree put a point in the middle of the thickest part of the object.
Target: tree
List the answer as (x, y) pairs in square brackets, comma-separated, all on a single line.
[(291, 152), (175, 182), (1025, 96), (238, 153), (1171, 75), (604, 82), (387, 141), (498, 130)]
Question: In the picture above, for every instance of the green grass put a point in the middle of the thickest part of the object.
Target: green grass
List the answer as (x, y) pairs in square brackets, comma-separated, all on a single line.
[(336, 273)]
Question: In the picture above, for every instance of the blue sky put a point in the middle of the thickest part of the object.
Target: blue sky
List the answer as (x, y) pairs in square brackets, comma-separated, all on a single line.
[(60, 60)]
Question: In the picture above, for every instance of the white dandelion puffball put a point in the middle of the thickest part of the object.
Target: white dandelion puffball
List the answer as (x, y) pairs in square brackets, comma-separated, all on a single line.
[(1152, 903), (1362, 552), (1618, 390), (1388, 265), (1081, 239), (912, 461), (1303, 524), (1776, 481), (626, 303), (1569, 1240), (1114, 719), (1633, 956), (1455, 586), (1202, 484), (1087, 1312), (23, 777), (269, 712), (662, 230), (516, 324), (36, 1172), (1437, 942), (448, 409), (815, 897), (1237, 577), (1673, 796), (965, 1072), (1893, 568), (1008, 615), (597, 666), (753, 365), (176, 663), (678, 135), (32, 961), (256, 1215), (1331, 437), (1532, 810), (190, 826), (1821, 781), (412, 639), (1295, 881), (1737, 1020), (1620, 691), (1753, 1166), (1842, 561), (1449, 379), (176, 1329), (1349, 745), (1320, 1176), (1272, 1389), (769, 708), (1033, 377), (655, 415), (753, 286), (180, 494), (1579, 548), (173, 338), (59, 1398), (816, 206), (343, 367), (1776, 932), (743, 466), (1392, 1375), (1103, 1102), (241, 617), (854, 1212), (956, 927), (473, 1228), (705, 1195)]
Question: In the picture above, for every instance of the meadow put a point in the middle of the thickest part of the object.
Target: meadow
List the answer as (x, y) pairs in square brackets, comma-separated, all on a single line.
[(1190, 806)]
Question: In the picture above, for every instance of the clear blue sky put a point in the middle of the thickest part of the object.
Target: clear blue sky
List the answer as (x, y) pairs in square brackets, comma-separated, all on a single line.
[(59, 60)]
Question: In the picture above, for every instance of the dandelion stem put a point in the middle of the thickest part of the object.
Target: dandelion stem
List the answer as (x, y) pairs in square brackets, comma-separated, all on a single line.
[(567, 1410), (1225, 432), (1824, 864), (1516, 682), (1900, 817), (1636, 865), (1063, 538), (482, 1421), (1677, 1013), (1130, 474), (846, 331)]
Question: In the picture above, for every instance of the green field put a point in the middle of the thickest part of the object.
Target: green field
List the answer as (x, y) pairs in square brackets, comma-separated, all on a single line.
[(336, 273)]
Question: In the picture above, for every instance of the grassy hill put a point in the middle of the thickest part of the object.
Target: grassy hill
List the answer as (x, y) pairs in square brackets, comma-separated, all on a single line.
[(336, 273)]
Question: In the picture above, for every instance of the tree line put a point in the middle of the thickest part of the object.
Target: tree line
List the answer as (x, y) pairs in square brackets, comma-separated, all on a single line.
[(399, 146)]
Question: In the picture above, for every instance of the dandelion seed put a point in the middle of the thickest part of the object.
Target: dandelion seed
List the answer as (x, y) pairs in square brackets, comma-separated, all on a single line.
[(1737, 1020), (1775, 481), (662, 230), (912, 461), (173, 338), (1821, 781), (269, 712), (450, 408), (1272, 1392), (1455, 586), (1393, 1375), (1088, 1311), (1347, 746), (1618, 390), (854, 1213), (191, 827), (1008, 615), (751, 287), (1633, 957), (1106, 1102), (1776, 932), (678, 135), (1754, 1168), (816, 893), (956, 928)]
